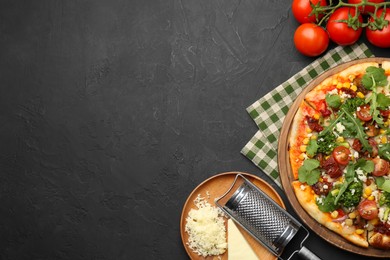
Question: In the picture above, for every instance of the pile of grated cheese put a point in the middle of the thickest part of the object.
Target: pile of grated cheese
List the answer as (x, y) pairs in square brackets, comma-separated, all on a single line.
[(206, 229)]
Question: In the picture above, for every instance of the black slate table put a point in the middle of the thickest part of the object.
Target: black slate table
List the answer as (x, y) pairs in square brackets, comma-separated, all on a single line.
[(112, 112)]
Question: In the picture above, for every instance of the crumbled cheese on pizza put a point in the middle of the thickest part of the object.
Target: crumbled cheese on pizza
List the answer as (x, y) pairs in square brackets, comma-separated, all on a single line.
[(344, 95), (340, 127), (353, 191), (333, 92), (360, 174), (320, 199), (206, 229), (303, 187), (381, 213)]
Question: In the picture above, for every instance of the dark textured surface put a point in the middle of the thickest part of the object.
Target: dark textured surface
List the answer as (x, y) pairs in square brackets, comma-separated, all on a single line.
[(114, 111)]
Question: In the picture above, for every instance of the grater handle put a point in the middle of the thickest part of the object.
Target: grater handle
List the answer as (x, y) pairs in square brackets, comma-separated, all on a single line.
[(306, 254)]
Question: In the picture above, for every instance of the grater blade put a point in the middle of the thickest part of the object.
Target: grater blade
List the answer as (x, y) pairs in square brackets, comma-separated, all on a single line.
[(258, 214)]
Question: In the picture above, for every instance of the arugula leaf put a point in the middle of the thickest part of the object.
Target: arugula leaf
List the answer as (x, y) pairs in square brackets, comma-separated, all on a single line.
[(360, 134), (372, 99), (374, 77), (349, 177), (367, 166), (333, 100), (384, 151), (330, 127), (309, 172), (383, 184)]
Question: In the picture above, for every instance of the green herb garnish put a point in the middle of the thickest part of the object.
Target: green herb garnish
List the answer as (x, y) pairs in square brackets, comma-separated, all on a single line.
[(309, 172)]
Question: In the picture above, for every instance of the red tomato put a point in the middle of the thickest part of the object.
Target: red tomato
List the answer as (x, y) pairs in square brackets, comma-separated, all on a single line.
[(341, 155), (363, 113), (339, 32), (310, 39), (301, 10), (381, 167), (368, 209), (368, 8), (380, 38)]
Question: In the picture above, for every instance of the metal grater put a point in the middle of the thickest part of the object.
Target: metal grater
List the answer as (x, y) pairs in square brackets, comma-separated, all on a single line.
[(261, 217)]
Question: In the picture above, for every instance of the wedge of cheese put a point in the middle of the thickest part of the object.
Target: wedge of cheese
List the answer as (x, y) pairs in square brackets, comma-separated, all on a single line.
[(238, 247)]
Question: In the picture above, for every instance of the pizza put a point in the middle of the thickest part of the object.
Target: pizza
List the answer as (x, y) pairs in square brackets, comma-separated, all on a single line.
[(339, 150)]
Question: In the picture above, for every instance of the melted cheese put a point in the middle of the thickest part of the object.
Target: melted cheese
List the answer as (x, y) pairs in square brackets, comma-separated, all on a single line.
[(238, 247)]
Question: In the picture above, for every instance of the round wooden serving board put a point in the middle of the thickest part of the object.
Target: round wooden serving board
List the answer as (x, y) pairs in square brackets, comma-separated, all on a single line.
[(286, 172), (216, 186)]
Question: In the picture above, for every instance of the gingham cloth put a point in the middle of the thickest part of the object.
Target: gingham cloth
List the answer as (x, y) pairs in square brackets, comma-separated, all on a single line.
[(269, 111)]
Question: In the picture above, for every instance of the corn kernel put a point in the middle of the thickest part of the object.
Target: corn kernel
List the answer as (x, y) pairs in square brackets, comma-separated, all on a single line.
[(353, 88), (308, 130), (339, 85), (384, 139), (374, 221), (334, 214), (382, 131), (367, 191), (360, 95), (340, 139), (316, 116), (359, 231), (349, 222), (334, 82), (351, 77), (302, 148), (365, 196), (346, 85), (302, 156), (320, 179), (306, 140), (386, 124), (313, 137), (371, 197), (352, 215)]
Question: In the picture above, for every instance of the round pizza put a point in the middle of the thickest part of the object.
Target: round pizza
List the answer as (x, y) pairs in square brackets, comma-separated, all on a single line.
[(339, 149)]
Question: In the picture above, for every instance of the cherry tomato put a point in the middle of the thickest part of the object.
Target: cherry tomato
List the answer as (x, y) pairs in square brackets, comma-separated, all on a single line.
[(339, 32), (380, 38), (341, 155), (381, 167), (363, 113), (301, 10), (368, 8), (368, 209), (310, 39)]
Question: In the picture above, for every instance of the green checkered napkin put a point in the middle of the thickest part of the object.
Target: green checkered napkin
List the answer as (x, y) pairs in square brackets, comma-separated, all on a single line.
[(269, 111)]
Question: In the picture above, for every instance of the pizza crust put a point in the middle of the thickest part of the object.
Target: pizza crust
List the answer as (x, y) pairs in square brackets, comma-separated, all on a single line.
[(297, 134), (379, 240)]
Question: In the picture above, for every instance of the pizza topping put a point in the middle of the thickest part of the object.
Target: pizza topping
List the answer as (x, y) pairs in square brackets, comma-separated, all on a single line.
[(368, 209), (332, 168), (341, 155), (363, 113), (313, 124), (309, 172), (381, 167)]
